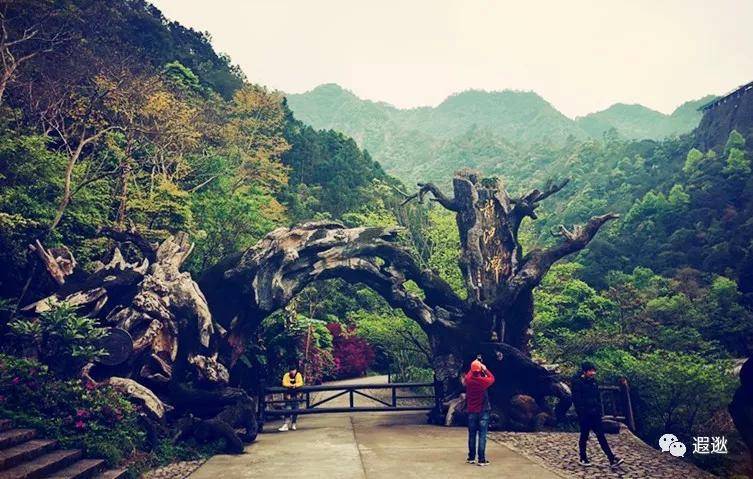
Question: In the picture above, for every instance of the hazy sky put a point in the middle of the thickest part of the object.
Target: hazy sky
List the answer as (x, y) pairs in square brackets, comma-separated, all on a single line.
[(581, 56)]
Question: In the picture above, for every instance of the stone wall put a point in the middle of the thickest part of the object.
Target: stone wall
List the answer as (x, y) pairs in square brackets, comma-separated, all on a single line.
[(732, 112)]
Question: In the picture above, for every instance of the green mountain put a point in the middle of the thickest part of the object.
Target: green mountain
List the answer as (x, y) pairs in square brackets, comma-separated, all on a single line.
[(491, 131), (523, 116), (638, 122)]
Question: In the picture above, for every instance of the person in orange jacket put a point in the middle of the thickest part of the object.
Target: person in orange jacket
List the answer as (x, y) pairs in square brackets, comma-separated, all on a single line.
[(477, 405), (291, 380)]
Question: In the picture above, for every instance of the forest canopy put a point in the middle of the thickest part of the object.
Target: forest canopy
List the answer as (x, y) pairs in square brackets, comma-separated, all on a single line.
[(118, 117)]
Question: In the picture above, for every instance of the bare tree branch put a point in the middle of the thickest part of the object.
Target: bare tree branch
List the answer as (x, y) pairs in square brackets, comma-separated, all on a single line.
[(420, 346), (436, 290), (525, 206), (439, 197), (203, 184), (536, 195), (287, 260), (537, 262)]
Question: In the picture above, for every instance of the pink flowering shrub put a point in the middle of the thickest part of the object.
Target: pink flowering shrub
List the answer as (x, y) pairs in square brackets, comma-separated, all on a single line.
[(98, 420)]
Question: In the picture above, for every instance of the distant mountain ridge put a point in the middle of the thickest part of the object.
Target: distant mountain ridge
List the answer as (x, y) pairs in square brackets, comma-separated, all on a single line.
[(639, 122), (418, 143)]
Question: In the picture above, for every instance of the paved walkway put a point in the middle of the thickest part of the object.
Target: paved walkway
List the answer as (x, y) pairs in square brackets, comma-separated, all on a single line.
[(367, 446)]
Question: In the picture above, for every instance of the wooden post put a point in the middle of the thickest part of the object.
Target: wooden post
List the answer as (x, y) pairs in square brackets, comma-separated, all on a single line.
[(261, 412), (394, 396), (306, 354), (629, 417), (438, 399), (350, 393)]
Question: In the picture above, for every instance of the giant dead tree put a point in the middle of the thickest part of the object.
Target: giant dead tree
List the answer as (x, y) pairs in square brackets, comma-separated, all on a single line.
[(188, 336), (494, 320)]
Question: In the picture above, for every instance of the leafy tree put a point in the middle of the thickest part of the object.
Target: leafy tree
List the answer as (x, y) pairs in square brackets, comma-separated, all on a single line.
[(293, 339), (673, 391), (692, 161), (331, 162)]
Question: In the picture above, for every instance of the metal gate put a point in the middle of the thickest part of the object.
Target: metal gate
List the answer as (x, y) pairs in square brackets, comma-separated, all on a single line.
[(307, 403)]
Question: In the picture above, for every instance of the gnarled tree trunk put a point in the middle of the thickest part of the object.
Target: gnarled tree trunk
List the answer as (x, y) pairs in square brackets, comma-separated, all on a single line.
[(188, 336), (169, 361), (741, 407), (493, 321)]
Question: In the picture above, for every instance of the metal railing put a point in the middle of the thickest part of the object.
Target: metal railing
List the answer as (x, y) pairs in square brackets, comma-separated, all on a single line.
[(306, 401)]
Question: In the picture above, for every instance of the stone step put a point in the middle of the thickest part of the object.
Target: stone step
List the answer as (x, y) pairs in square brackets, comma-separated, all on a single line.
[(25, 451), (11, 437), (42, 465), (5, 424), (82, 469), (112, 474)]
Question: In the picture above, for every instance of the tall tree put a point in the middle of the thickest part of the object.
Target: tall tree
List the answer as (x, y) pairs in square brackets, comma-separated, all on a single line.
[(75, 115), (157, 128)]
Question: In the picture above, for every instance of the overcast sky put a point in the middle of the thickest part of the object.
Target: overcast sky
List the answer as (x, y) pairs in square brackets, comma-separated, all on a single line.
[(581, 56)]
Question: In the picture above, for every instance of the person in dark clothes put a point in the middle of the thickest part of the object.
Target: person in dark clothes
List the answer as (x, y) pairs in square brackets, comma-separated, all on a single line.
[(477, 405), (587, 402)]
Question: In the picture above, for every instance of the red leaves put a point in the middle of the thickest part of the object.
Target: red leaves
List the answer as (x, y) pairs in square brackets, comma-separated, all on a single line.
[(353, 355)]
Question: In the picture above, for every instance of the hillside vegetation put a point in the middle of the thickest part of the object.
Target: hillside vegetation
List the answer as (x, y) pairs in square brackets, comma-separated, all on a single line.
[(480, 129)]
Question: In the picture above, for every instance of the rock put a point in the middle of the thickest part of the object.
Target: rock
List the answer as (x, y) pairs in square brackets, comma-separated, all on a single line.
[(140, 393), (456, 415), (539, 421), (611, 427), (740, 408), (523, 410)]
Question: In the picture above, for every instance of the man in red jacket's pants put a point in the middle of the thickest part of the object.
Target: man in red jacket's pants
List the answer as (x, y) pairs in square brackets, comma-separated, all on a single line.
[(477, 405)]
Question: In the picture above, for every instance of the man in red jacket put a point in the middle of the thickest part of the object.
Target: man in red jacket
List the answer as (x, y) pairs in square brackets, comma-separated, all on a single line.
[(477, 405)]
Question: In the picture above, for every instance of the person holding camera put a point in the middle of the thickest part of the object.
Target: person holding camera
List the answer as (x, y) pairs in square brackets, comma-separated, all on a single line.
[(478, 407)]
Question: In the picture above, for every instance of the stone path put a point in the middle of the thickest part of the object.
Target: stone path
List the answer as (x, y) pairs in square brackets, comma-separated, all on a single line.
[(558, 452), (367, 446), (176, 470)]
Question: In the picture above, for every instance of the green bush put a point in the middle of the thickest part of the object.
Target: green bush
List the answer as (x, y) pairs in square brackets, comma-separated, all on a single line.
[(679, 393), (674, 392), (62, 339)]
